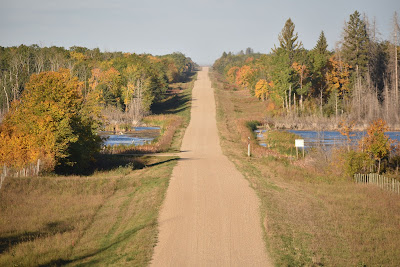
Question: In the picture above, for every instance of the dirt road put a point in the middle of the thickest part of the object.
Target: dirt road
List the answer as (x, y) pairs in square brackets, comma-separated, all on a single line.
[(210, 216)]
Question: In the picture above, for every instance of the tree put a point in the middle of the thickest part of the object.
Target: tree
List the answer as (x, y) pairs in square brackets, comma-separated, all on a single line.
[(303, 74), (282, 75), (319, 59), (322, 45), (376, 143), (261, 90), (249, 51), (232, 73), (62, 134), (245, 77), (282, 61), (288, 40), (355, 45), (338, 79)]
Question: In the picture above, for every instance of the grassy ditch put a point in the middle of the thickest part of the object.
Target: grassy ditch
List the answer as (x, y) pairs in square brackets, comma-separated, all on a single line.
[(310, 216), (106, 218)]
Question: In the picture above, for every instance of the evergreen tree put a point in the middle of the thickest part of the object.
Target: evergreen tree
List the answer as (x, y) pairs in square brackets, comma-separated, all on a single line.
[(288, 40), (319, 59), (356, 45), (322, 45)]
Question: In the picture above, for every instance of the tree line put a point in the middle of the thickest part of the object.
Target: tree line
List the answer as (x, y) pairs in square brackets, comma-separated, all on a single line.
[(358, 80), (53, 100)]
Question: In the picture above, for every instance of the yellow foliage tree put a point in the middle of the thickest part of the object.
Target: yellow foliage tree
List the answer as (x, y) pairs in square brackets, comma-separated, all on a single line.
[(49, 123), (338, 75), (376, 143), (261, 90), (244, 76), (232, 72)]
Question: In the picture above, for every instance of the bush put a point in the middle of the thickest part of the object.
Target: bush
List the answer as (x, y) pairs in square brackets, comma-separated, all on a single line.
[(356, 162)]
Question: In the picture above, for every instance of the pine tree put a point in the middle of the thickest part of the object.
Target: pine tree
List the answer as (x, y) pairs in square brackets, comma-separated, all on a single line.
[(288, 40), (322, 45), (356, 45), (319, 58)]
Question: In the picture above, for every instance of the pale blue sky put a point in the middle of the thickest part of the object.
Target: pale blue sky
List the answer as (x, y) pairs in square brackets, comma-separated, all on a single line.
[(200, 29)]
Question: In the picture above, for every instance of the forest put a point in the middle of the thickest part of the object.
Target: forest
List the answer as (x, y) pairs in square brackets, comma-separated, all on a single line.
[(54, 100), (357, 81)]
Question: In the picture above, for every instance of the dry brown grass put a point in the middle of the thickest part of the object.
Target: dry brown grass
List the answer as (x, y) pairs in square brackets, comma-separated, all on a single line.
[(310, 217), (110, 217)]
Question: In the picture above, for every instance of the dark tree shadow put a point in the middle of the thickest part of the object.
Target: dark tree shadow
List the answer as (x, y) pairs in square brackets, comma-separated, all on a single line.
[(119, 240), (7, 242)]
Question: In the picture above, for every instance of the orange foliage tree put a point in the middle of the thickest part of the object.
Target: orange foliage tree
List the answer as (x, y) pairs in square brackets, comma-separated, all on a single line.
[(50, 123), (244, 76), (338, 78), (232, 72)]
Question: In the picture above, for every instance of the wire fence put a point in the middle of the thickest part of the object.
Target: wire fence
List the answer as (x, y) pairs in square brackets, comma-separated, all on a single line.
[(383, 182)]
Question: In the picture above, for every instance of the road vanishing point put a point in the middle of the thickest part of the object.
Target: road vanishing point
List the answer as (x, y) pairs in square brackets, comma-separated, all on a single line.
[(210, 216)]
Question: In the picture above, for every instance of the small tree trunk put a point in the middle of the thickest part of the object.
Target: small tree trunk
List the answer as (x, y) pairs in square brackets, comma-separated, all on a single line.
[(320, 107), (379, 166), (301, 103), (336, 104), (290, 97)]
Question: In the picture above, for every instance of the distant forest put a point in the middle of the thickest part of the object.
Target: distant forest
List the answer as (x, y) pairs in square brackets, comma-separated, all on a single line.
[(114, 75), (53, 101), (356, 81)]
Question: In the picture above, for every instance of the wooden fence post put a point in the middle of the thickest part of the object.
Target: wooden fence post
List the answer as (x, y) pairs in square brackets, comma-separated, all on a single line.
[(3, 175)]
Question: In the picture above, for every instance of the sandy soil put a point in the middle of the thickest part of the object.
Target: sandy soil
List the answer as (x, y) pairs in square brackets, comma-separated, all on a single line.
[(210, 216)]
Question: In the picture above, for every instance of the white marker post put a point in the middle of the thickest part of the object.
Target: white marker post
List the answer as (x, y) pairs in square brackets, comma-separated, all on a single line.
[(248, 148), (299, 143)]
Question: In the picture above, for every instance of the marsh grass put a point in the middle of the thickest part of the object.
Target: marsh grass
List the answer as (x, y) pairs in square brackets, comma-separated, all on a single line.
[(310, 216)]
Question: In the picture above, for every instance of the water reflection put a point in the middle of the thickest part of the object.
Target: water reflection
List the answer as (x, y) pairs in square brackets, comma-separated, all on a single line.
[(325, 138), (140, 136)]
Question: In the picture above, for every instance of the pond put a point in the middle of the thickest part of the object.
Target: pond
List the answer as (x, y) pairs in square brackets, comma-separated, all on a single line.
[(139, 136), (325, 138)]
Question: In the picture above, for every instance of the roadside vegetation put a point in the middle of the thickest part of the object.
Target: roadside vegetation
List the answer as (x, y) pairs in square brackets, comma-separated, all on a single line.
[(312, 213), (318, 88), (72, 94), (107, 214)]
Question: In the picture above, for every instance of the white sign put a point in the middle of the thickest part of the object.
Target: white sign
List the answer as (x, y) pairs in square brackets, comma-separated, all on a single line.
[(299, 143)]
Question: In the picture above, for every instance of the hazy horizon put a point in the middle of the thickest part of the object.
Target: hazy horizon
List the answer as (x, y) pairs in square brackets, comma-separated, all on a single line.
[(202, 30)]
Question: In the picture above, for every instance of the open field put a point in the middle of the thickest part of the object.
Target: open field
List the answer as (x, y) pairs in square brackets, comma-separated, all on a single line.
[(107, 218), (310, 217)]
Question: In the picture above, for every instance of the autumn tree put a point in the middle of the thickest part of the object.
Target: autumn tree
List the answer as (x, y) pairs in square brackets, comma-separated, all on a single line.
[(63, 133), (261, 89), (376, 143), (245, 77), (232, 73), (338, 79)]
